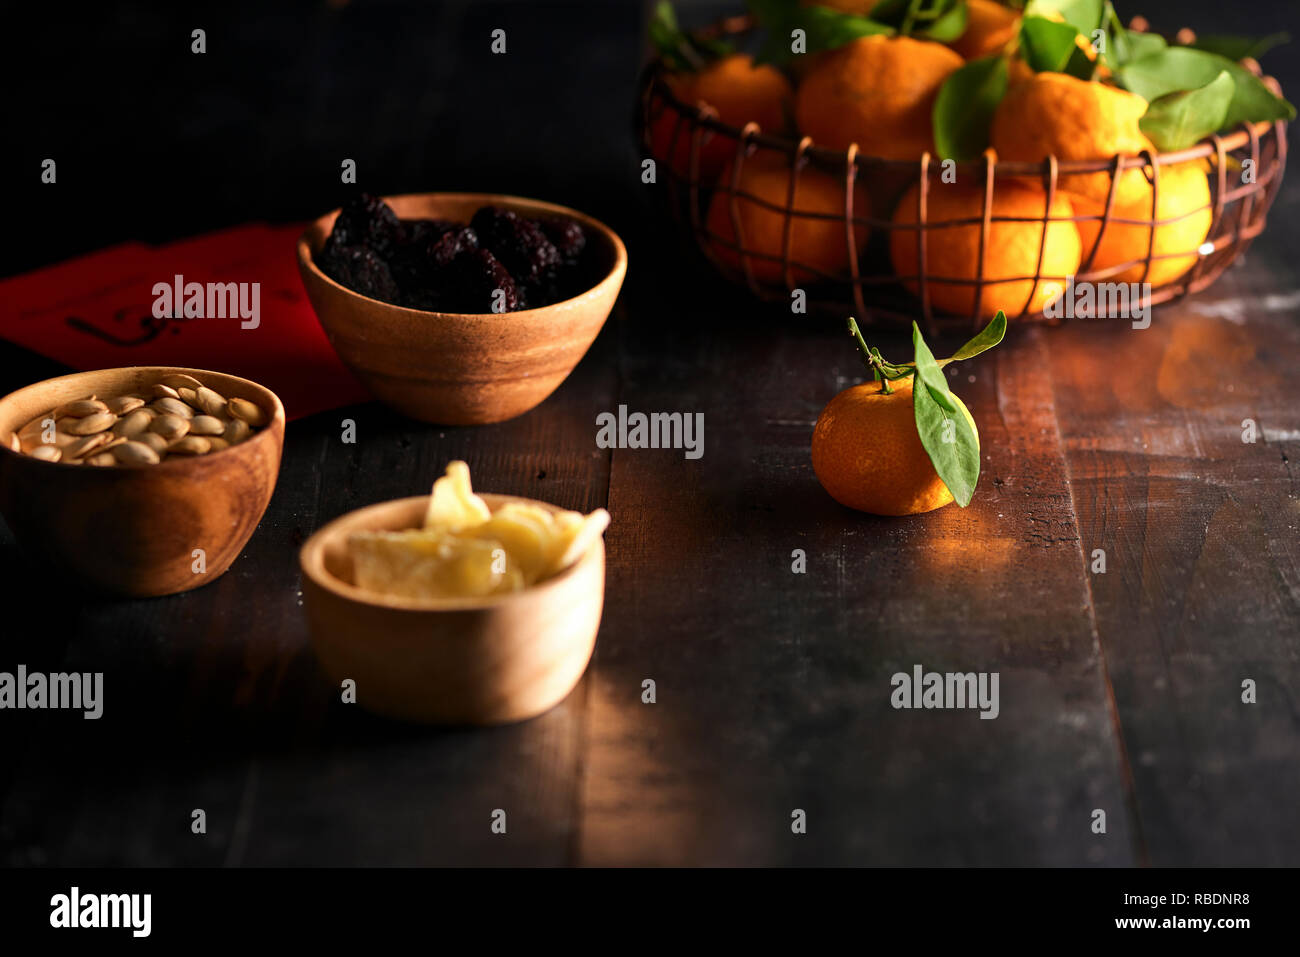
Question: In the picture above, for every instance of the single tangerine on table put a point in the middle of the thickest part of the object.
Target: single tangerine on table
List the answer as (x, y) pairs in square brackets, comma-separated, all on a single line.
[(1011, 252), (739, 91), (819, 241), (878, 92), (867, 454)]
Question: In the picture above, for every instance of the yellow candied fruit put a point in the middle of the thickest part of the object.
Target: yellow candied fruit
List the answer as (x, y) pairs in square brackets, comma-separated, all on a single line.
[(431, 564), (466, 550)]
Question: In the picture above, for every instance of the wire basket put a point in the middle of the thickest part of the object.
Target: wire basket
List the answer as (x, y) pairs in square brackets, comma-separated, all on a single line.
[(1238, 207)]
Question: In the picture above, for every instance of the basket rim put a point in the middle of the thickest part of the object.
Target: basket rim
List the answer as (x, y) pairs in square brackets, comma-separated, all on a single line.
[(1215, 145)]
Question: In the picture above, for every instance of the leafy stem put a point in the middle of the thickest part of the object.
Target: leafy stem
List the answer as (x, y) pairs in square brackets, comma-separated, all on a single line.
[(909, 18), (944, 426), (871, 357)]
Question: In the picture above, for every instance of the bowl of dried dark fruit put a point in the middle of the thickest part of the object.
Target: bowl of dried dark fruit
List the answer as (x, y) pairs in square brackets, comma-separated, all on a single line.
[(460, 308)]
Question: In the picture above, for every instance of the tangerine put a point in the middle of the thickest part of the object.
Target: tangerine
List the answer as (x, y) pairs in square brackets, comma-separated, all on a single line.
[(867, 454), (876, 91), (739, 92), (1011, 252), (817, 241)]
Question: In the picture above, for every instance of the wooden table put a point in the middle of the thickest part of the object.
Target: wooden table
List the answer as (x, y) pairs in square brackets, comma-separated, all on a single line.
[(1120, 691)]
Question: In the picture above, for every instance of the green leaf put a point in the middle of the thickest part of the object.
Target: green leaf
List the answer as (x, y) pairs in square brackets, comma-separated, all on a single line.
[(1122, 45), (945, 432), (1178, 120), (964, 107), (665, 34), (947, 25), (824, 29), (679, 50), (1080, 65), (1083, 15), (1179, 69), (1143, 44), (928, 371), (986, 339), (1238, 48), (941, 20), (1046, 45)]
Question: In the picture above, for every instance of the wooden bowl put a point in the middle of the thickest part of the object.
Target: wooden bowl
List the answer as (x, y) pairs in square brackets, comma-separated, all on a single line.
[(456, 369), (456, 661), (133, 531)]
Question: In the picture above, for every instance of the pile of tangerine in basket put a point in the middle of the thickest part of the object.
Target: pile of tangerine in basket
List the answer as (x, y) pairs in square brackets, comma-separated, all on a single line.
[(498, 262), (466, 550)]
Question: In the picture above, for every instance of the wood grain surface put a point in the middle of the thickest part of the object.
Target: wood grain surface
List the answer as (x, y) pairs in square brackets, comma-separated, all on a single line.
[(1119, 691)]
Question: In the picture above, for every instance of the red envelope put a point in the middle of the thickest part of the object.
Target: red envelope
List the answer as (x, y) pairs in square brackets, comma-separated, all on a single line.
[(102, 311)]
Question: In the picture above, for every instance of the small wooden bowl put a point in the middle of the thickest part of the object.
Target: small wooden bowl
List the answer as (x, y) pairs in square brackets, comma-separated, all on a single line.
[(456, 369), (133, 531), (457, 661)]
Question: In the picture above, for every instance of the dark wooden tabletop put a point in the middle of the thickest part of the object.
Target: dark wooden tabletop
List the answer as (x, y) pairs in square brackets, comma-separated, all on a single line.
[(1119, 691)]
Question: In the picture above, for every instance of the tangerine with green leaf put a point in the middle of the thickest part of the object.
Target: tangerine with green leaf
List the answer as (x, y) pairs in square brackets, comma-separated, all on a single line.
[(879, 447)]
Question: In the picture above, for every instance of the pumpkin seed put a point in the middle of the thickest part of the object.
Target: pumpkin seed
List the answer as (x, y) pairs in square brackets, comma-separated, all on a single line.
[(104, 459), (250, 412), (179, 380), (160, 391), (190, 445), (133, 423), (136, 453), (188, 396), (236, 431), (46, 453), (153, 440), (79, 409), (206, 425), (170, 406), (96, 422), (170, 427), (124, 404), (87, 444), (217, 443), (211, 402)]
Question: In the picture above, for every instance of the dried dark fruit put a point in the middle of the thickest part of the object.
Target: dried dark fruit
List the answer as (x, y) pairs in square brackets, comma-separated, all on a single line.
[(368, 221), (361, 270), (520, 245), (421, 232), (474, 280), (441, 266), (452, 244), (568, 237)]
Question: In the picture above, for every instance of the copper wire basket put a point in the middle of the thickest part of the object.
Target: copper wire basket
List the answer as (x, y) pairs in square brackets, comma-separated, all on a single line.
[(871, 288)]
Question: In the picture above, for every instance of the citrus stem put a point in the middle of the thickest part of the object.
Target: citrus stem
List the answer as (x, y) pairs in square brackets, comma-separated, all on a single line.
[(870, 357), (909, 19)]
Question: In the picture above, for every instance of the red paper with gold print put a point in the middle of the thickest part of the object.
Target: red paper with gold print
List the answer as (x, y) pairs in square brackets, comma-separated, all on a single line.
[(99, 311)]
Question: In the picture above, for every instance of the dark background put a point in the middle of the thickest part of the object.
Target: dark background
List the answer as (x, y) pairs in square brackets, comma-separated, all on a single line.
[(1119, 692)]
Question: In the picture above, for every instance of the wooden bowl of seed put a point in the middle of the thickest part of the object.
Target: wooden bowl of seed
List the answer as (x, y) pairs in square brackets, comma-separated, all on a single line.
[(140, 481)]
